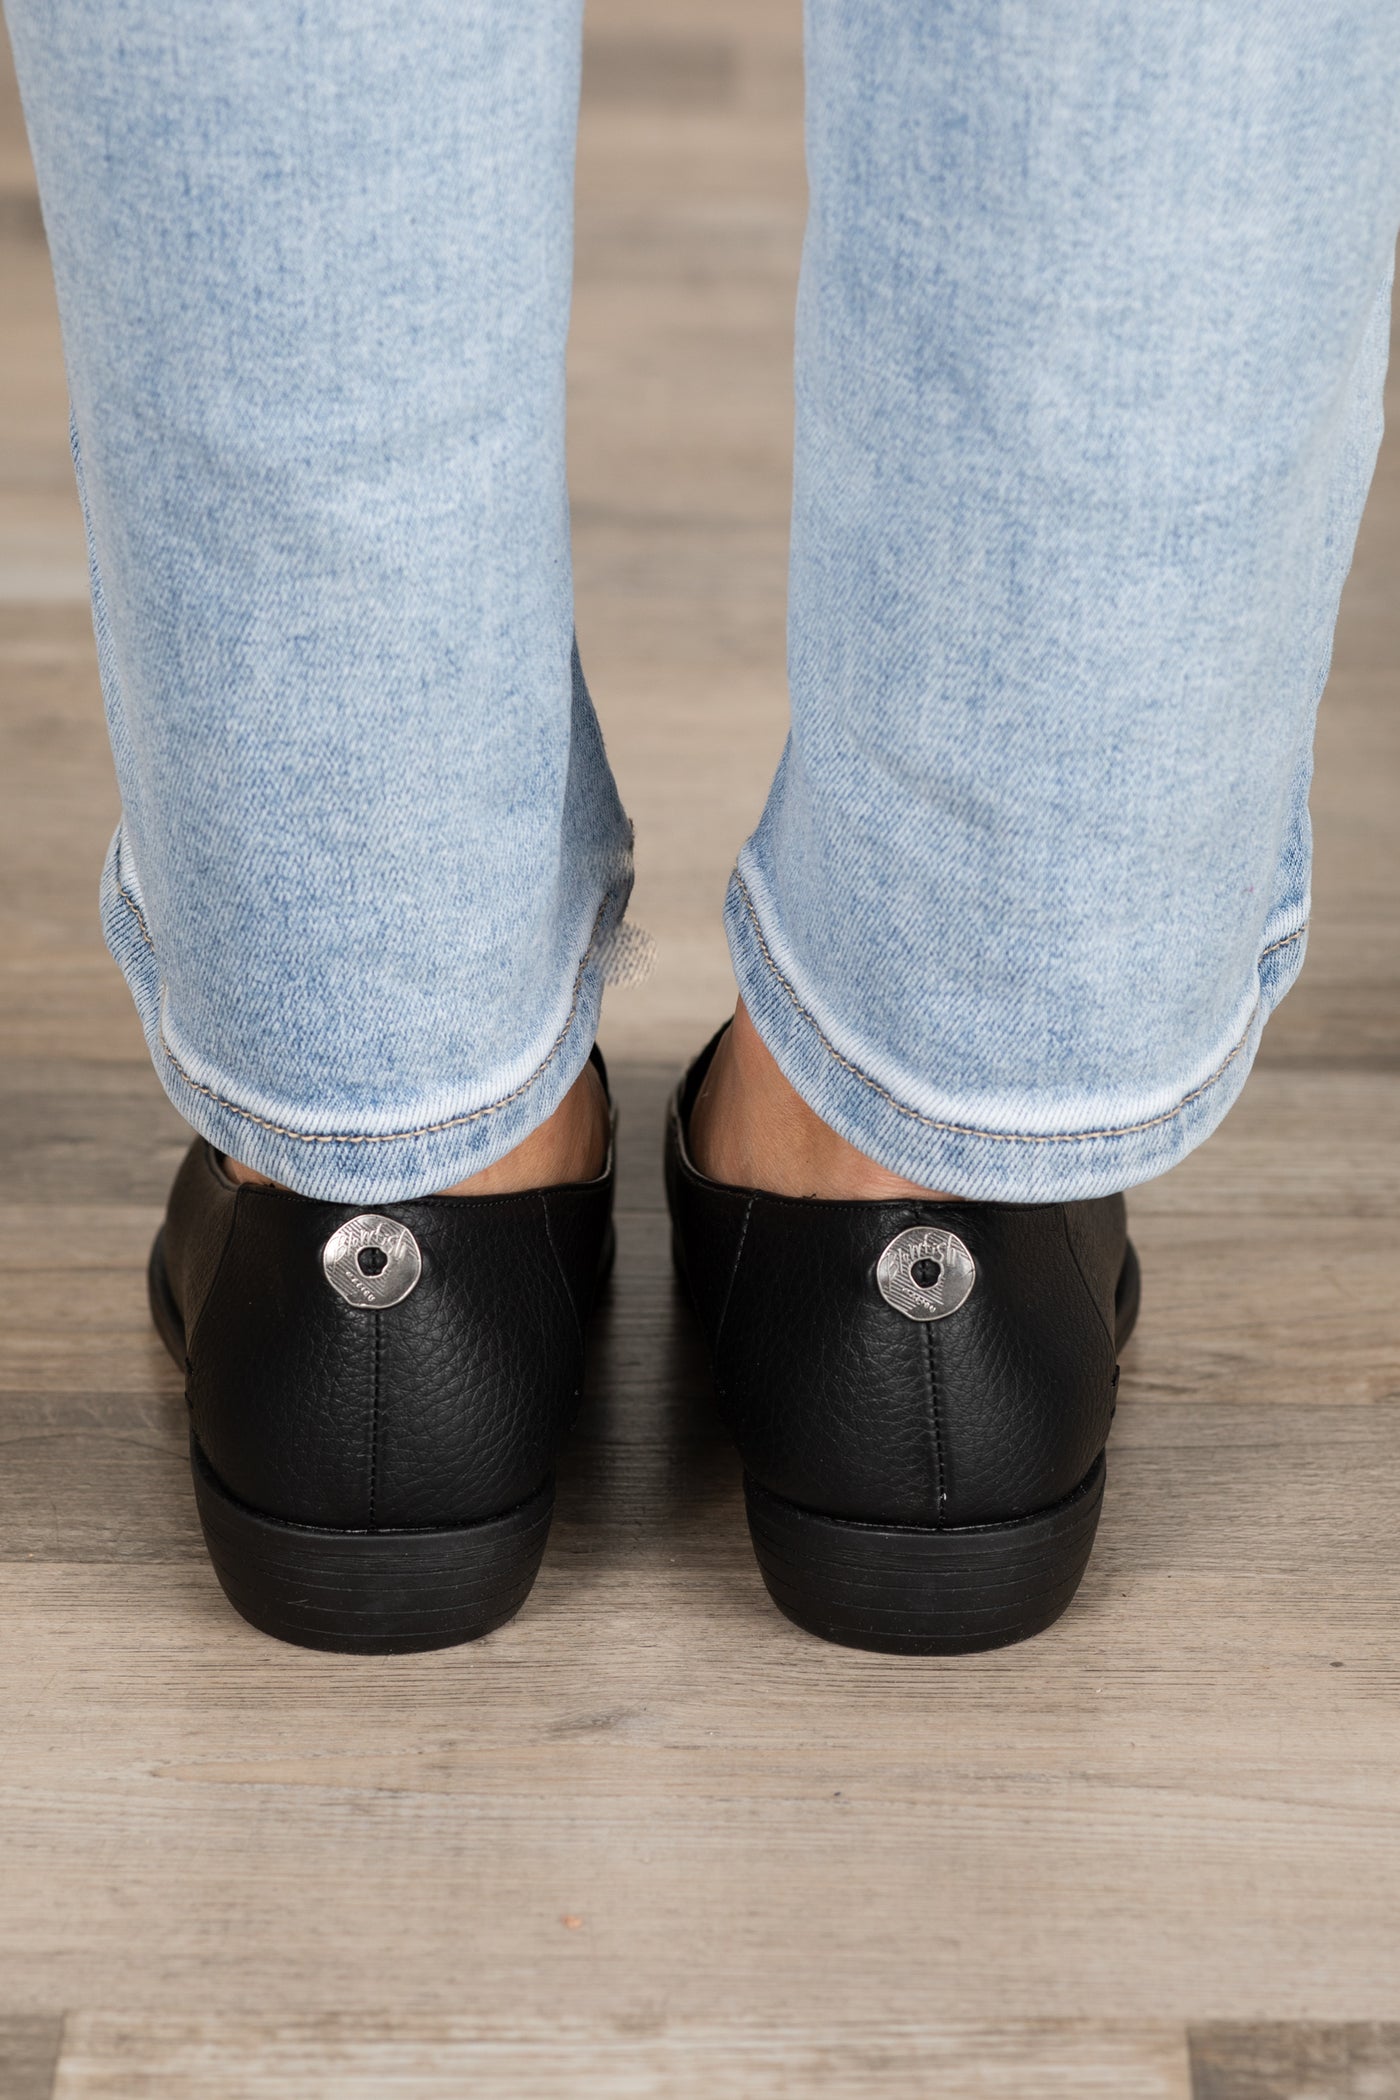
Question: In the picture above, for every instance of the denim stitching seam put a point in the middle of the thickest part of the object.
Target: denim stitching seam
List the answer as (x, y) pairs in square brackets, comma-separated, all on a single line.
[(999, 1137), (134, 908), (398, 1137)]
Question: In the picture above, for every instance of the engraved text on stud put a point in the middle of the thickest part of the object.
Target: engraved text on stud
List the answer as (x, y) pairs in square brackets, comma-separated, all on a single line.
[(372, 1261), (926, 1273)]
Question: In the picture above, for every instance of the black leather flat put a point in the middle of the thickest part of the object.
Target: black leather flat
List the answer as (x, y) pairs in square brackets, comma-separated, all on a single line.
[(920, 1392), (376, 1397)]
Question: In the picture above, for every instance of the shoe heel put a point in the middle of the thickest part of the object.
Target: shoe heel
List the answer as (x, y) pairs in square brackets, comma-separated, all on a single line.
[(910, 1590), (370, 1592)]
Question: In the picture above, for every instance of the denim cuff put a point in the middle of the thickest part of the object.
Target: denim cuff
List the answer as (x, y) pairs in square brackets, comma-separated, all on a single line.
[(393, 1155), (935, 1141)]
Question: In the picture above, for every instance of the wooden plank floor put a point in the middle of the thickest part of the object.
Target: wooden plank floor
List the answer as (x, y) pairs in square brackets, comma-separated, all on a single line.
[(650, 1840)]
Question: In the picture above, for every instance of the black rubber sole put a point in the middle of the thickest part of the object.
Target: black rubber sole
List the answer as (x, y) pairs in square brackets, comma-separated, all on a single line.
[(908, 1589), (370, 1592), (358, 1592)]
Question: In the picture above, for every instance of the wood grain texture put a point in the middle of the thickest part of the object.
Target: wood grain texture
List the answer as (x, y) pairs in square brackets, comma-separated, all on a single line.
[(792, 1869), (644, 2058), (1295, 2061), (1184, 1797), (28, 2054)]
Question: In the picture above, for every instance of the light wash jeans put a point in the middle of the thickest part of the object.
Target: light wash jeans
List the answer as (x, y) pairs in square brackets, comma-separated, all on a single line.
[(1090, 347)]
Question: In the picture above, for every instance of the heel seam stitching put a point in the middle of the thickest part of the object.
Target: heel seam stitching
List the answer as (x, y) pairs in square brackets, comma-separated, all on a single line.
[(940, 1489), (374, 1423)]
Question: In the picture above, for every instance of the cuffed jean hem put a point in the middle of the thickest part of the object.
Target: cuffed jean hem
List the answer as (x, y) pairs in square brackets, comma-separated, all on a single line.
[(408, 1156), (931, 1142)]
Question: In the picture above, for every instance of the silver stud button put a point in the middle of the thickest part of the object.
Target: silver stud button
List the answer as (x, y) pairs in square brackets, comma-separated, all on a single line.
[(372, 1261), (926, 1273)]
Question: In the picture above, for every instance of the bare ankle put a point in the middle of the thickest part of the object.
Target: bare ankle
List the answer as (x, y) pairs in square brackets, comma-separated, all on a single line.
[(570, 1145), (247, 1177), (751, 1128)]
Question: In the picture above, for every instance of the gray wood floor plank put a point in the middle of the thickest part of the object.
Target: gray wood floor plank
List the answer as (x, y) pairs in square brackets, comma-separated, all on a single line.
[(680, 71), (647, 2057), (28, 2054), (95, 1476), (1291, 2060)]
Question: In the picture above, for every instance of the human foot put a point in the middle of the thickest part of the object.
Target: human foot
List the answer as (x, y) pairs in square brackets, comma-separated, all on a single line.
[(571, 1145), (753, 1130)]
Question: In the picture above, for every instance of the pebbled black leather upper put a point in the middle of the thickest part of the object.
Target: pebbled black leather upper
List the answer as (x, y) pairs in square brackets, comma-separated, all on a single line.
[(442, 1410), (842, 1404)]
